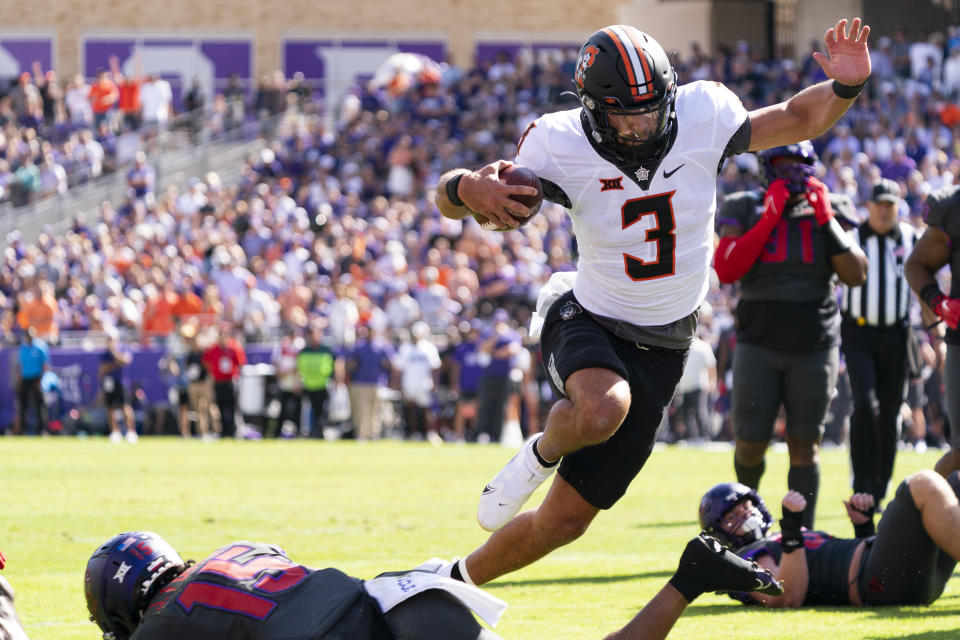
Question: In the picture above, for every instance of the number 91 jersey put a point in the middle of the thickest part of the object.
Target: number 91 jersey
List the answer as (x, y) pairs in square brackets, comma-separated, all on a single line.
[(644, 254)]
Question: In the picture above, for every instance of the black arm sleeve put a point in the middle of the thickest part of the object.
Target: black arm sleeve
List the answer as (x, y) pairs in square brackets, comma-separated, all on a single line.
[(740, 141), (553, 193)]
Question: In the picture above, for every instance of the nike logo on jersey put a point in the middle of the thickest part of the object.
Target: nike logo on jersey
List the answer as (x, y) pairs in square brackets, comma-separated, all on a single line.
[(667, 174), (608, 184)]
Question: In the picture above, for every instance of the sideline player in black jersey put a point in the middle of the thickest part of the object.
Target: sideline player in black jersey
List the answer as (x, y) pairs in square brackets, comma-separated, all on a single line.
[(138, 587), (786, 249), (938, 246), (908, 561)]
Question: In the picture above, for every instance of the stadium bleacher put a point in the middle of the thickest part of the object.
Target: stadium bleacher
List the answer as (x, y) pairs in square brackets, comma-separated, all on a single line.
[(332, 218)]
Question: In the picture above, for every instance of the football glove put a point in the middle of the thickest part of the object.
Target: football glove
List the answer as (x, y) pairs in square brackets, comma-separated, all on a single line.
[(948, 309), (818, 196), (775, 199)]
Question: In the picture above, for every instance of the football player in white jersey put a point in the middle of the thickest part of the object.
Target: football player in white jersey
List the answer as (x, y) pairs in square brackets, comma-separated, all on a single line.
[(636, 167)]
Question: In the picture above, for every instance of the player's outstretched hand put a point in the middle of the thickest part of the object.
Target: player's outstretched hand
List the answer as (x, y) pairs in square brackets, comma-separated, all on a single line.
[(775, 199), (847, 59), (818, 196), (794, 501), (858, 507), (482, 192)]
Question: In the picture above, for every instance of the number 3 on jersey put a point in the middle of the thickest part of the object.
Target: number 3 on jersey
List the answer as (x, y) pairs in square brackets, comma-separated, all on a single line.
[(661, 233)]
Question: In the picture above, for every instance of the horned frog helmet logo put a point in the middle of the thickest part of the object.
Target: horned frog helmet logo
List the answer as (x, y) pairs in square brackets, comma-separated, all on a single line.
[(587, 56)]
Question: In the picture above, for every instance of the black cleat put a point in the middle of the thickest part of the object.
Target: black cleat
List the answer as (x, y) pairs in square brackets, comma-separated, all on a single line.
[(722, 570)]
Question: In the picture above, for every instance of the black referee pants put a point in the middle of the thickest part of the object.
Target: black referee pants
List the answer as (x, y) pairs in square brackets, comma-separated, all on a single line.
[(877, 365)]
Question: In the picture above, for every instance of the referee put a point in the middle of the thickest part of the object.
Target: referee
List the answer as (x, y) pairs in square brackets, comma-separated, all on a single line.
[(874, 334)]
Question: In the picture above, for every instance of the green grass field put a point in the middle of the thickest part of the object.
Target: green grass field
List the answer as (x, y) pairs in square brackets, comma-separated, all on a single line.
[(367, 508)]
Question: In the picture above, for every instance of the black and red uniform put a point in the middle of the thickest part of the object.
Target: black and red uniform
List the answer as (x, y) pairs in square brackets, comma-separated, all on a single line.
[(901, 565), (253, 591)]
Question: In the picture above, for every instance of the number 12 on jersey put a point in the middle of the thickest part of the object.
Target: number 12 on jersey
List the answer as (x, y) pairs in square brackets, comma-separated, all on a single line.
[(661, 233)]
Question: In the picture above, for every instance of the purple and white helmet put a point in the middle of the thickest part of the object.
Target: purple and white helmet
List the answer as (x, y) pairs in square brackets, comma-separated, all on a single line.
[(717, 503), (122, 576), (793, 163)]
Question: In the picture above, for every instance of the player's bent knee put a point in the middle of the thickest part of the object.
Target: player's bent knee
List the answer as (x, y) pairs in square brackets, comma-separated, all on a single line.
[(804, 458), (599, 417), (954, 481), (750, 454), (924, 483)]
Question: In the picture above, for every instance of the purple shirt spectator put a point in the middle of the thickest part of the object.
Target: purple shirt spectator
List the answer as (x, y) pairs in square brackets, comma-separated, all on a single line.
[(500, 367), (141, 177), (898, 167), (370, 362), (467, 356)]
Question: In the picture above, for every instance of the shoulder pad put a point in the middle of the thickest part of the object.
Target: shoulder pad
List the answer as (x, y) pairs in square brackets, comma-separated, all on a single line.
[(844, 210), (738, 208)]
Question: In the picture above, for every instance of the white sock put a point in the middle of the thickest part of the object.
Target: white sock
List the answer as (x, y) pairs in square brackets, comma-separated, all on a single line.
[(462, 565)]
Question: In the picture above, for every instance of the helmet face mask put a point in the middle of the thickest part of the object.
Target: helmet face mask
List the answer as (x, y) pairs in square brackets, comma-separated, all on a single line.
[(618, 127), (747, 525), (624, 73), (734, 531), (793, 163), (121, 577)]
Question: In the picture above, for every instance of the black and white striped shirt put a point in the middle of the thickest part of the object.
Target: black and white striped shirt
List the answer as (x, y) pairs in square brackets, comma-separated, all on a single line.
[(884, 299)]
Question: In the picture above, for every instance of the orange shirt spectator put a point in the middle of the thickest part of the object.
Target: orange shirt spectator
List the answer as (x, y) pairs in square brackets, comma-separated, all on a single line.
[(39, 310), (158, 313), (129, 99), (128, 102), (950, 115), (103, 95), (188, 304)]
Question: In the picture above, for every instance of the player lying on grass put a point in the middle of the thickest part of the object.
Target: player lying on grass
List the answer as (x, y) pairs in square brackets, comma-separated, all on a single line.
[(908, 561), (10, 627), (138, 587)]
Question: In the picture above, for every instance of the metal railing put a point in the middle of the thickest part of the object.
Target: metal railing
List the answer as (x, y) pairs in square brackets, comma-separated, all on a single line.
[(175, 157)]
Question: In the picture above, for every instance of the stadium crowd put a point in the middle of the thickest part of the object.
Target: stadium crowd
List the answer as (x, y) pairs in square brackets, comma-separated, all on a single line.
[(332, 231), (57, 135)]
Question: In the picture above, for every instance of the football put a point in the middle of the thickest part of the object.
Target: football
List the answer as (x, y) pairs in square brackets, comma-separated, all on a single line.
[(517, 174)]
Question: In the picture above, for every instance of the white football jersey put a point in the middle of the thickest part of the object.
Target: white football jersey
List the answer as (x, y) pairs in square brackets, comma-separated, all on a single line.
[(644, 255)]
